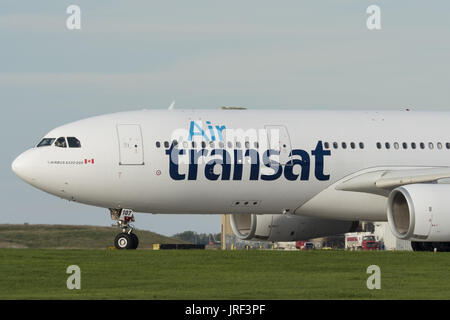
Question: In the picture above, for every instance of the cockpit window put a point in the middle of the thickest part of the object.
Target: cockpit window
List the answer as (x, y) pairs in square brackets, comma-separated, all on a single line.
[(46, 142), (61, 143), (73, 142)]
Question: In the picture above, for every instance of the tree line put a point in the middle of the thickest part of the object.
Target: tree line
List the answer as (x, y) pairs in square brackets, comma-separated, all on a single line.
[(197, 238)]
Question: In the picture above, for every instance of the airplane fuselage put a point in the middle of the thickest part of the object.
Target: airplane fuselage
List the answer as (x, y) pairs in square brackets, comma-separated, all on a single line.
[(276, 162)]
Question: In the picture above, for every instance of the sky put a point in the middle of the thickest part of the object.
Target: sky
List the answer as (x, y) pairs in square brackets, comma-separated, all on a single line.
[(203, 55)]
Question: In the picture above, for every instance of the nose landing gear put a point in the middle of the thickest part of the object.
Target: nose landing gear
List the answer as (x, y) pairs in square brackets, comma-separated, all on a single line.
[(126, 239)]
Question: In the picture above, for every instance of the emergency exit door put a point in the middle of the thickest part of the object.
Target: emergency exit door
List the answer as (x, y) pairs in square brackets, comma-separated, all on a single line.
[(131, 150)]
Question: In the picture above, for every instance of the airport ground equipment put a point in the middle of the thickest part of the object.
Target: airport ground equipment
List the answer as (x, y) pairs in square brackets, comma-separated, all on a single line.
[(360, 241)]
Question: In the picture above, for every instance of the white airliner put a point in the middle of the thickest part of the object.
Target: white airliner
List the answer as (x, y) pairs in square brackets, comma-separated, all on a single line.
[(283, 175)]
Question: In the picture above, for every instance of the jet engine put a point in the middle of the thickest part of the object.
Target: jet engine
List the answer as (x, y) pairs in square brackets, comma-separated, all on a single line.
[(420, 212), (279, 227)]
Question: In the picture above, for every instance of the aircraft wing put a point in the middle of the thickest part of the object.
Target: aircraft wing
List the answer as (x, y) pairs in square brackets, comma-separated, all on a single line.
[(381, 182)]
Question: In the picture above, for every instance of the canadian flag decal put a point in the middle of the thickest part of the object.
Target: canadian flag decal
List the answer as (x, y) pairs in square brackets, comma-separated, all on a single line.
[(86, 161)]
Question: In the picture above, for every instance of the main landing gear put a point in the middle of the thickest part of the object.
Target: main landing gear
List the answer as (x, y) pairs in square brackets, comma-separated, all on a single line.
[(126, 239)]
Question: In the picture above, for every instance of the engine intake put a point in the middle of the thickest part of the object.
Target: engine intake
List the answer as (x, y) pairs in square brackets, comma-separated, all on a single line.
[(419, 212), (243, 225)]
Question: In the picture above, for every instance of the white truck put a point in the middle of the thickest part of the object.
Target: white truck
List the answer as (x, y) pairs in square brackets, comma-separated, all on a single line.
[(360, 241)]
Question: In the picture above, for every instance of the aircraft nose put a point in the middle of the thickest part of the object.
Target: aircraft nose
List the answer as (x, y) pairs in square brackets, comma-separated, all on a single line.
[(21, 166)]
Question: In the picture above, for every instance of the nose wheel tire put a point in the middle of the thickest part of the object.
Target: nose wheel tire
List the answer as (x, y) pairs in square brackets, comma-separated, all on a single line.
[(126, 241)]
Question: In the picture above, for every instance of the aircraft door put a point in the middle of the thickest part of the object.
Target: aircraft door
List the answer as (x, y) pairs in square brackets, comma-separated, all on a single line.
[(278, 139), (131, 150)]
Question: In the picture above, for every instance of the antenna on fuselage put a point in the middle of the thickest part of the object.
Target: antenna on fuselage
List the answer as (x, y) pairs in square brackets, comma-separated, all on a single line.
[(232, 108), (172, 105)]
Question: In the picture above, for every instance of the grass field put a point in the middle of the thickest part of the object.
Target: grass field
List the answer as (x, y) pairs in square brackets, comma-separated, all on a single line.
[(64, 236), (192, 274)]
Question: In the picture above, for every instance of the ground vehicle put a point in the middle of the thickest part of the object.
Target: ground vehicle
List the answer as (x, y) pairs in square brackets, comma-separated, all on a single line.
[(360, 241), (304, 245), (308, 246)]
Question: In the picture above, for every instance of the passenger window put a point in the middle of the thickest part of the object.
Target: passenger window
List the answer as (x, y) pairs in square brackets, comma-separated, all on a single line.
[(431, 145), (211, 144), (335, 145), (256, 145), (413, 145), (166, 144), (344, 145), (221, 145), (422, 145), (396, 145), (61, 143), (73, 142), (439, 145), (405, 145), (378, 145), (185, 144), (48, 142), (238, 144), (247, 145), (361, 145), (352, 145), (447, 145), (230, 144), (388, 145), (326, 145), (158, 144), (203, 144)]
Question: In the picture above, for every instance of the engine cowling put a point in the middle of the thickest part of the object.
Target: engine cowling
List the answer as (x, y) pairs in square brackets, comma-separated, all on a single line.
[(420, 212), (280, 227)]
